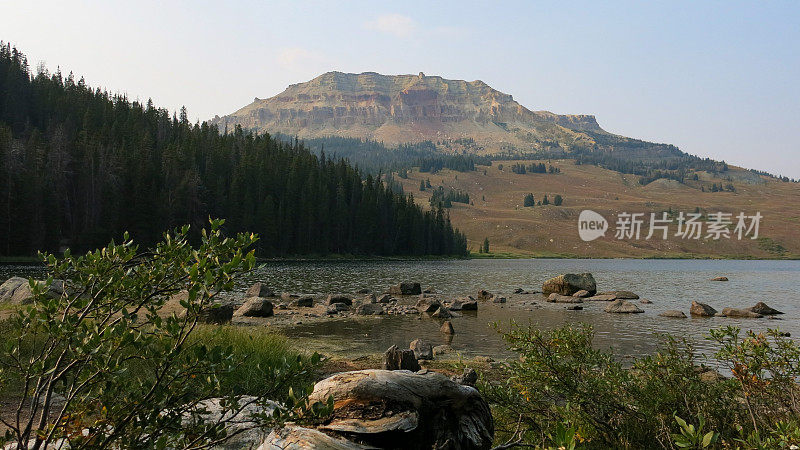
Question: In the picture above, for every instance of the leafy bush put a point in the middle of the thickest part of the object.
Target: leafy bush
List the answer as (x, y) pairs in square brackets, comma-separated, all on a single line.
[(101, 366), (561, 383)]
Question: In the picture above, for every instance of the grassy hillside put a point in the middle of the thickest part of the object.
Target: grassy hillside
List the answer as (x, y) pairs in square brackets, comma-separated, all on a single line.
[(496, 210)]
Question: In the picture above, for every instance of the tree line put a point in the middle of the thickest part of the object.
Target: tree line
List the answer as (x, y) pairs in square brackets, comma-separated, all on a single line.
[(81, 166)]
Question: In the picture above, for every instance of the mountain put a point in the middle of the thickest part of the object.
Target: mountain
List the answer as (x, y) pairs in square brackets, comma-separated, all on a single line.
[(396, 109)]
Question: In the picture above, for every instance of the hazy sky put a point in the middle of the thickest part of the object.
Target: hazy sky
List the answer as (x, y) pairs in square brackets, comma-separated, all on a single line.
[(718, 79)]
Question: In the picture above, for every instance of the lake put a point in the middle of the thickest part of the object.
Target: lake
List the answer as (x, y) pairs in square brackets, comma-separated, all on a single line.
[(669, 284)]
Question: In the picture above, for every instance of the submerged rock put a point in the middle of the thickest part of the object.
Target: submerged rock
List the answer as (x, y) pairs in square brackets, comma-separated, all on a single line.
[(719, 279), (405, 288), (625, 295), (428, 304), (570, 283), (701, 310), (601, 298), (558, 298), (622, 307), (498, 299), (673, 313), (740, 313), (469, 305), (484, 295)]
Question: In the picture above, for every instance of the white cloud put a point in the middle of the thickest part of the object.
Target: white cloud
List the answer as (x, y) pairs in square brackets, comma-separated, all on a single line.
[(394, 24)]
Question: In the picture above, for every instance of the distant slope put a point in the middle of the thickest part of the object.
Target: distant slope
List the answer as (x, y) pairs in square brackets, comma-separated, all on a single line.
[(496, 210), (397, 109)]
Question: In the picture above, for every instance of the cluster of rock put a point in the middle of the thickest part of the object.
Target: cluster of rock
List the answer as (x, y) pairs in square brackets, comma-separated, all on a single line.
[(757, 311)]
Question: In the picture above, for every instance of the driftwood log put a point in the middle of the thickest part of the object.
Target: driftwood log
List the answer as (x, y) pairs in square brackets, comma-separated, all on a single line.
[(402, 409)]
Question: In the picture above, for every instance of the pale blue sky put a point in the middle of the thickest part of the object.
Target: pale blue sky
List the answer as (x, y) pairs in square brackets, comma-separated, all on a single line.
[(718, 79)]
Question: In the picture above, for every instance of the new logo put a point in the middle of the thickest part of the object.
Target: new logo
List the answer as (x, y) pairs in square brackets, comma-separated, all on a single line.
[(591, 225)]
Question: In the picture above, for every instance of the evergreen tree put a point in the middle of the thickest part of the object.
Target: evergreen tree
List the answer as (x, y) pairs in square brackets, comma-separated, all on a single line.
[(557, 200), (529, 200), (485, 248), (545, 201)]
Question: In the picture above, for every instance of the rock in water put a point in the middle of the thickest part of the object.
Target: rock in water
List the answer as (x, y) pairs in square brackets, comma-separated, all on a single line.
[(498, 299), (701, 310), (340, 299), (421, 349), (406, 288), (625, 295), (447, 328), (719, 279), (469, 305), (601, 298), (581, 294), (428, 305), (397, 359), (259, 290), (569, 284), (763, 309), (558, 298), (442, 313), (622, 307), (428, 410), (673, 313), (740, 313), (370, 309), (645, 301), (385, 298), (255, 307), (484, 295), (289, 297)]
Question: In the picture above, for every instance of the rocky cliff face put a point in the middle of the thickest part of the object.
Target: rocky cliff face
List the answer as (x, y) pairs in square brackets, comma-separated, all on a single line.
[(407, 108)]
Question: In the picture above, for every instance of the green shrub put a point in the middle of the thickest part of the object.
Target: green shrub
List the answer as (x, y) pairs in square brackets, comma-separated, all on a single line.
[(100, 366), (562, 390)]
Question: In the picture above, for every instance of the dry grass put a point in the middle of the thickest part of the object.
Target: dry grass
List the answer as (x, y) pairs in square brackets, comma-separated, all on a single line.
[(550, 231)]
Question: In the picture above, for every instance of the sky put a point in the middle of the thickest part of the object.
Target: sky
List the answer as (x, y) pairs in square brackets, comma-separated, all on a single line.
[(719, 79)]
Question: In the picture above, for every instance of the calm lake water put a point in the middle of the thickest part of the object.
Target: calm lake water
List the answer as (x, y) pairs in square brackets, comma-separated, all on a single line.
[(669, 284)]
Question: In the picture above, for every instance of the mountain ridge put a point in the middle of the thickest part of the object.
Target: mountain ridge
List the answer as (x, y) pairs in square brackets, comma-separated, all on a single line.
[(397, 109)]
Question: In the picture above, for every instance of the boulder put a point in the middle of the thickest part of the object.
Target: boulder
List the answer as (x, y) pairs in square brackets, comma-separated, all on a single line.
[(622, 307), (583, 293), (338, 307), (455, 305), (469, 305), (673, 313), (259, 290), (558, 298), (385, 298), (570, 283), (625, 295), (645, 301), (17, 290), (484, 295), (399, 359), (363, 291), (763, 309), (378, 407), (601, 298), (719, 279), (303, 302), (405, 288), (447, 328), (701, 310), (421, 349), (219, 313), (428, 305), (370, 309), (740, 313), (339, 299), (255, 307)]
